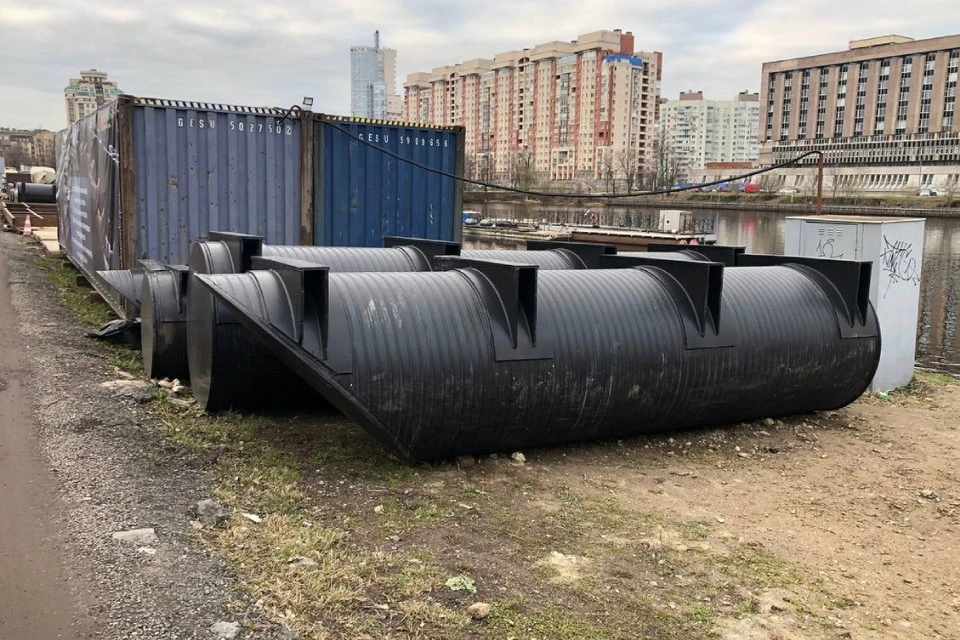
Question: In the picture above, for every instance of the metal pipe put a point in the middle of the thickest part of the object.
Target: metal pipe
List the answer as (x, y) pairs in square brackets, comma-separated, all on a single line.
[(820, 183)]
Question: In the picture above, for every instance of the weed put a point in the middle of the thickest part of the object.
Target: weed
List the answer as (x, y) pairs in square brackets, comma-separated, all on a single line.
[(702, 615), (63, 281)]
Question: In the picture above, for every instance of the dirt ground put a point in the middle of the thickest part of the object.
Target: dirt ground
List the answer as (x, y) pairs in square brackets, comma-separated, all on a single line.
[(35, 598), (841, 525), (835, 525)]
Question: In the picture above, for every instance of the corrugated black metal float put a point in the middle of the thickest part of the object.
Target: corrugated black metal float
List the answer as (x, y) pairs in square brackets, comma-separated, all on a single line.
[(228, 367), (129, 282), (164, 327), (492, 356)]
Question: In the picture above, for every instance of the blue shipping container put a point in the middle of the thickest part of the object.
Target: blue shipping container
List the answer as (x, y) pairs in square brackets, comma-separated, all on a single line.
[(142, 179), (200, 168), (363, 193)]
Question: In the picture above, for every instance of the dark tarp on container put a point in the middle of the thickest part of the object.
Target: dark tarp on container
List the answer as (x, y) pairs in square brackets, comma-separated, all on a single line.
[(364, 194), (88, 194)]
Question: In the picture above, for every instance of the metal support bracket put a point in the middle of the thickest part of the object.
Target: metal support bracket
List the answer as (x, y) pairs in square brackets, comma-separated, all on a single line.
[(727, 255), (509, 291), (311, 323), (431, 249), (697, 290), (588, 253), (845, 282), (243, 247)]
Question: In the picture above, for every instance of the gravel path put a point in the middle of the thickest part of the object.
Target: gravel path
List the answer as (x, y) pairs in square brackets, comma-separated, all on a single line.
[(113, 472)]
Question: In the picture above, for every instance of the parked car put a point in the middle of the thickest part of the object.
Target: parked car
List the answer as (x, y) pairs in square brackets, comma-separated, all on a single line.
[(751, 187), (788, 191), (933, 192)]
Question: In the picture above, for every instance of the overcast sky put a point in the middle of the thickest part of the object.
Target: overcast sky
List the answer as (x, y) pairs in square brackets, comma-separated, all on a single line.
[(252, 52)]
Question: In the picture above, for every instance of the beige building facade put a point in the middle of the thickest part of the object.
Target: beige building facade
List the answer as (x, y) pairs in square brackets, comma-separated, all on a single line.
[(89, 92), (567, 111), (43, 148), (883, 112), (700, 131)]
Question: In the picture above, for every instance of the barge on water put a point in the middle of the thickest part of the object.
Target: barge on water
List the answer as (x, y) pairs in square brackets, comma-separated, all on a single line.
[(633, 231)]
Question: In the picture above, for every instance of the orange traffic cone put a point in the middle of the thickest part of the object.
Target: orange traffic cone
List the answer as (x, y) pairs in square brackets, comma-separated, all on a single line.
[(27, 229)]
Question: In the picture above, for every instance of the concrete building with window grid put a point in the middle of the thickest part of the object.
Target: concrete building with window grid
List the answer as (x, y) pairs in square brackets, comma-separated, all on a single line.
[(89, 92), (568, 111), (700, 131), (883, 112), (373, 82)]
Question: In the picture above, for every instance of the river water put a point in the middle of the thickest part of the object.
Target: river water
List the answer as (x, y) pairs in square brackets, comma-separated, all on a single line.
[(938, 340)]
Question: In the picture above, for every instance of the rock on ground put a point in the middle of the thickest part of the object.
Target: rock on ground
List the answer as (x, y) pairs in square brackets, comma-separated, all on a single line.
[(212, 511), (139, 537), (225, 630), (139, 390)]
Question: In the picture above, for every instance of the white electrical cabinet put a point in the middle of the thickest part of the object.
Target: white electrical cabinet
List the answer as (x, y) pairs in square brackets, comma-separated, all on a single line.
[(895, 247)]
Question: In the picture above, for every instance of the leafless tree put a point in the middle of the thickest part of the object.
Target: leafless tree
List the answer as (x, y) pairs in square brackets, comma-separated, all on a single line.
[(17, 155), (666, 164), (485, 168), (522, 174), (608, 173), (767, 182), (470, 169), (627, 167)]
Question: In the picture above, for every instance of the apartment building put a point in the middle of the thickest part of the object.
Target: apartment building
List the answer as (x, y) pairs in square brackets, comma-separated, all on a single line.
[(28, 147), (580, 110), (373, 82), (700, 131), (883, 112), (89, 92)]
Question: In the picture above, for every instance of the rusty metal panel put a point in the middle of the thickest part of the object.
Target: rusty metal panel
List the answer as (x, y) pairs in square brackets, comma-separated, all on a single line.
[(202, 167)]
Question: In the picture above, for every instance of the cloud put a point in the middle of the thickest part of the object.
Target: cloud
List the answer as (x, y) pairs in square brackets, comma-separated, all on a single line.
[(255, 53)]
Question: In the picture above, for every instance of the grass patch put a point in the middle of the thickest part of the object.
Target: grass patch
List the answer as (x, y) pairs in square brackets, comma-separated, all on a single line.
[(832, 603), (520, 618), (934, 378), (755, 566), (77, 300), (346, 591), (922, 386), (695, 530), (63, 281), (125, 359)]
